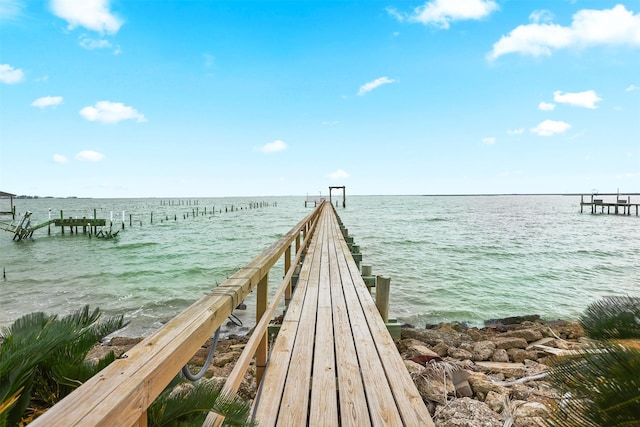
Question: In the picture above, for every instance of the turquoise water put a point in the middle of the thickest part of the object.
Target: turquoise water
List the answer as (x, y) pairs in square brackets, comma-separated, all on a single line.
[(464, 258)]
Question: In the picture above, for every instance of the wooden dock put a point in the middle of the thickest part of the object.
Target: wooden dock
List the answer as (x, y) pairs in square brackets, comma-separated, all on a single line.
[(333, 362), (615, 203)]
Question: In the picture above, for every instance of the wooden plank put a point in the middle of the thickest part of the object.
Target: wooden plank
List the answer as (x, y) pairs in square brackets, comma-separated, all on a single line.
[(267, 405), (380, 400), (406, 395), (324, 402), (295, 398), (270, 394), (353, 402)]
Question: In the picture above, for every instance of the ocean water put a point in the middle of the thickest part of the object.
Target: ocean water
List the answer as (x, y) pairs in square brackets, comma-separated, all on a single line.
[(450, 258)]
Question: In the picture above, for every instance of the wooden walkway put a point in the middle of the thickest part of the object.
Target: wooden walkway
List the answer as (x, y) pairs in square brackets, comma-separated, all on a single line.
[(334, 362)]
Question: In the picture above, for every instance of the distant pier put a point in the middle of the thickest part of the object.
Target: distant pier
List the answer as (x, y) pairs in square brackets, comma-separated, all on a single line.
[(615, 203)]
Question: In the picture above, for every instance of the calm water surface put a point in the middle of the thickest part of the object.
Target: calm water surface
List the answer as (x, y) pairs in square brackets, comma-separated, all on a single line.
[(464, 258)]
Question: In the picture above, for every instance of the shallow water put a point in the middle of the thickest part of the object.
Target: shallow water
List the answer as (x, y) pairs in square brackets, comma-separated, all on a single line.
[(464, 258)]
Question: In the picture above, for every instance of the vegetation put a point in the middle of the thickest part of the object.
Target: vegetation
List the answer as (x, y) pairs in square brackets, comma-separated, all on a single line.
[(602, 386), (184, 403), (42, 359)]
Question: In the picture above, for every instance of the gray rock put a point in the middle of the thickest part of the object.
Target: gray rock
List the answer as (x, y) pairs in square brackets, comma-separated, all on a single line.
[(496, 401), (521, 392), (460, 354), (519, 355), (530, 422), (530, 335), (500, 355), (421, 350), (442, 349), (531, 409), (481, 386), (483, 350), (510, 342), (468, 346), (509, 370), (466, 412), (434, 336)]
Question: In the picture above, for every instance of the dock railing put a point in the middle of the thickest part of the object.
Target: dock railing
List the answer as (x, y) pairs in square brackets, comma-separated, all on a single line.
[(120, 394)]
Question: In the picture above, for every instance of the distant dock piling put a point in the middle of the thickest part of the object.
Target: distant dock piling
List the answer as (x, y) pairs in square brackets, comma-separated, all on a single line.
[(81, 223)]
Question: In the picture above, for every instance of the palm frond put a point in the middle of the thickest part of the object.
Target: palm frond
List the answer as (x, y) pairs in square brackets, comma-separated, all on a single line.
[(616, 317), (36, 344), (186, 403), (601, 388)]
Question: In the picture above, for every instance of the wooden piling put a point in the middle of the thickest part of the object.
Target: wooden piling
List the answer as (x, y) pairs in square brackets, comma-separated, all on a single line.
[(383, 286)]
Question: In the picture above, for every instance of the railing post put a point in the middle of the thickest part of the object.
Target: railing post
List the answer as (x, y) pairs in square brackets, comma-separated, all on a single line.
[(261, 307), (287, 266)]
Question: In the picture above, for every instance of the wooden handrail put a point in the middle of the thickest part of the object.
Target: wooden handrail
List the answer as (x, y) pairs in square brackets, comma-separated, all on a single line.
[(121, 393)]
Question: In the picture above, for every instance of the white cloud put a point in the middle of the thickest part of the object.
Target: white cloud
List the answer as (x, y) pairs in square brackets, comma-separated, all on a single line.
[(368, 87), (89, 156), (10, 75), (440, 13), (91, 14), (586, 99), (47, 101), (541, 16), (111, 112), (518, 131), (550, 127), (631, 88), (616, 26), (339, 174), (273, 147), (546, 106), (59, 158), (489, 140), (91, 44)]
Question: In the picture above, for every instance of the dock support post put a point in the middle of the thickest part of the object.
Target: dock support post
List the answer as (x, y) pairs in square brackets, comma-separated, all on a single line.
[(261, 307), (287, 266), (383, 285), (368, 277)]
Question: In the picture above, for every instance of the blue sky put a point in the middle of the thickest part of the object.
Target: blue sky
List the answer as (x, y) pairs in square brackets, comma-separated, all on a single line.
[(216, 98)]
